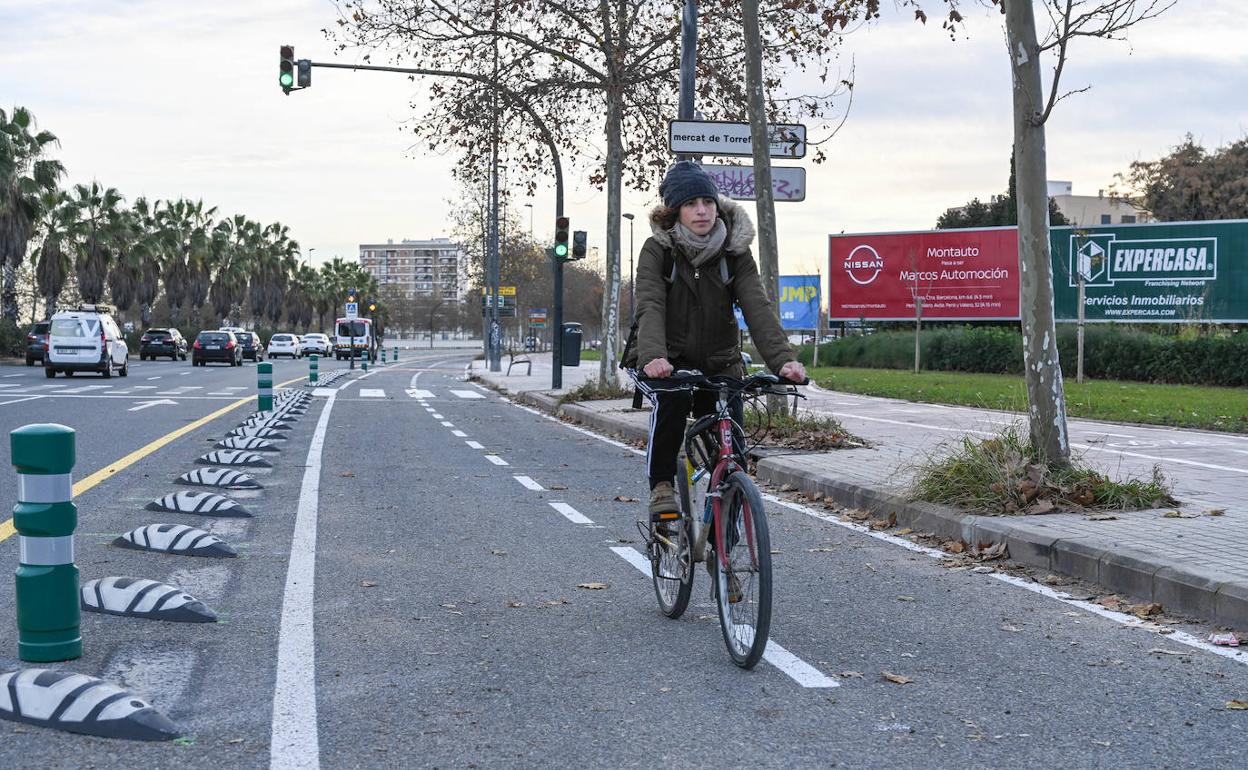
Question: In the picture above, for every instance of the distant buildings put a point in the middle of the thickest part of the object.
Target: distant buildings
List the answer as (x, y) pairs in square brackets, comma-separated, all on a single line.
[(419, 268), (1099, 209)]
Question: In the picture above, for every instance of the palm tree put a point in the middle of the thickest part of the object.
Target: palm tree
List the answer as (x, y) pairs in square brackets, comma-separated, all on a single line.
[(186, 269), (56, 223), (123, 277), (234, 242), (149, 249), (99, 229), (199, 259), (25, 174)]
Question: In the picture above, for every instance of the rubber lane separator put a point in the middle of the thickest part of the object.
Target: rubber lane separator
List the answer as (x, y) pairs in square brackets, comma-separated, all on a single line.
[(794, 667)]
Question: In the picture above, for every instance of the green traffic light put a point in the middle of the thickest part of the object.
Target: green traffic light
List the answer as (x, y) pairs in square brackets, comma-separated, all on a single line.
[(561, 249), (287, 79)]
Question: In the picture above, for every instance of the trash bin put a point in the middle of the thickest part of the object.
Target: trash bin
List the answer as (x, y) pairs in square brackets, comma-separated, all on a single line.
[(572, 336)]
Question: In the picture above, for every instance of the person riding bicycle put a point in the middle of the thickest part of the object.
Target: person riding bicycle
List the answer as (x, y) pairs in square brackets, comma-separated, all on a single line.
[(694, 267)]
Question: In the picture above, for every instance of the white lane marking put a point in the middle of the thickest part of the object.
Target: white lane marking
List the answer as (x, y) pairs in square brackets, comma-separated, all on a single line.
[(148, 404), (294, 742), (430, 409), (459, 434), (10, 384), (19, 400), (150, 387), (218, 393), (481, 388), (190, 387), (235, 387), (419, 393), (183, 374), (529, 483), (372, 393), (85, 388), (1114, 435), (576, 517), (1156, 458), (578, 429), (794, 667), (446, 424), (157, 377), (467, 394), (169, 393), (12, 375), (496, 460), (473, 445), (436, 416)]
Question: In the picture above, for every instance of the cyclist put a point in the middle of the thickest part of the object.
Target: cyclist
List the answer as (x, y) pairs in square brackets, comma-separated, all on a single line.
[(692, 269)]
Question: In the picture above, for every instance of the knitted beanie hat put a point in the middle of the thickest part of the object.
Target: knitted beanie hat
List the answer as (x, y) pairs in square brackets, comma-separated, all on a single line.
[(685, 181)]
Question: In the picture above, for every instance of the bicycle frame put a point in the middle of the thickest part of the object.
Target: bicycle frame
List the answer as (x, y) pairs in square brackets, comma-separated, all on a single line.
[(723, 468)]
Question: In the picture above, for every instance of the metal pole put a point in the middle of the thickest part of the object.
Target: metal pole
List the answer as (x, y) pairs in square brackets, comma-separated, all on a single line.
[(1079, 373), (495, 354), (632, 287), (688, 57)]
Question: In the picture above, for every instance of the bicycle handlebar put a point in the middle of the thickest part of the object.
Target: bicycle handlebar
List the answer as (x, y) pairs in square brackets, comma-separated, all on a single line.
[(762, 381)]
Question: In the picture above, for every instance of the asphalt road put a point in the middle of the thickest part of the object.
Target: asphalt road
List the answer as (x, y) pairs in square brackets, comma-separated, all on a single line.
[(449, 629)]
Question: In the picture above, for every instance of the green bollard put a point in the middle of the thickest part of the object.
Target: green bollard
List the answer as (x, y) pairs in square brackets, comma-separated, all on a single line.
[(383, 355), (364, 359), (264, 386), (45, 517), (312, 368), (396, 353)]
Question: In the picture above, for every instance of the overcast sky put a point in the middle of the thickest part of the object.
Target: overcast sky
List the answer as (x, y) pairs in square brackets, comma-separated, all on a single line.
[(168, 98)]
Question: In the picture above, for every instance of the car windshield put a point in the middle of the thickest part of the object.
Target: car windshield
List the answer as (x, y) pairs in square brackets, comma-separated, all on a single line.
[(156, 333), (280, 338), (41, 328), (243, 337), (213, 337), (73, 327), (352, 329)]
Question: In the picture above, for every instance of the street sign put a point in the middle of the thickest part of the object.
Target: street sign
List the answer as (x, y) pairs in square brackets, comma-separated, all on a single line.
[(712, 137), (788, 183), (352, 310), (507, 291)]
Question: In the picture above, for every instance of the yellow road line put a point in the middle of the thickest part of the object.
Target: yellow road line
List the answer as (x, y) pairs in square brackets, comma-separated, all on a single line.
[(83, 484)]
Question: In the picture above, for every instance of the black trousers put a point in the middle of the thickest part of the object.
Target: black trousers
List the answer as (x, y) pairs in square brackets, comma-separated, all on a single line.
[(667, 429)]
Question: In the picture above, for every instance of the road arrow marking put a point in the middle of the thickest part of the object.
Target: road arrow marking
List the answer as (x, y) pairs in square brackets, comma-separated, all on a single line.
[(146, 404)]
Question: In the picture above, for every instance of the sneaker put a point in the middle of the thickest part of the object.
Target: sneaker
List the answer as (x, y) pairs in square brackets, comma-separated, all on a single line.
[(663, 502)]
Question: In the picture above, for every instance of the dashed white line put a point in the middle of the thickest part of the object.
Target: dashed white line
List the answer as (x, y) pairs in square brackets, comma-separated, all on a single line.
[(459, 434), (19, 400), (794, 667), (157, 377), (473, 445), (529, 483), (419, 393), (447, 424), (12, 375), (437, 416), (576, 517), (496, 460)]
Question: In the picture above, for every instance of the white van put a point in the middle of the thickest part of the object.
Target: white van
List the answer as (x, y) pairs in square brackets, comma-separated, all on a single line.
[(86, 339), (353, 337)]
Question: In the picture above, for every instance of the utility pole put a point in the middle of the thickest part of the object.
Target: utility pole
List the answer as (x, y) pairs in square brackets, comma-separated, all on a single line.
[(688, 61)]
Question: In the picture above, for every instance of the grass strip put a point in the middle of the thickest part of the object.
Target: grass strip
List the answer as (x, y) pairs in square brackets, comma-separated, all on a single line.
[(1184, 406)]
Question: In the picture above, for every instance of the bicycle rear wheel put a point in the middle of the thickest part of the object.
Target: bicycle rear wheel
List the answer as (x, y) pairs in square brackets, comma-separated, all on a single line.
[(743, 583), (671, 563)]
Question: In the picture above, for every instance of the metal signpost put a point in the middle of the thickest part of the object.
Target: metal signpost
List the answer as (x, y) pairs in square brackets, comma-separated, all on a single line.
[(352, 312), (711, 137)]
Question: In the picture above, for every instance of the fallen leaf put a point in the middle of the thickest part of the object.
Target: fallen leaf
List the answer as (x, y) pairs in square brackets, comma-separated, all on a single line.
[(626, 499), (983, 570), (1101, 517), (854, 674), (497, 552), (994, 551), (820, 550), (665, 689), (905, 598), (515, 605), (369, 583), (905, 531), (954, 546), (235, 740), (593, 586), (1172, 515), (1216, 511), (1042, 506), (1145, 610), (1162, 651), (555, 602), (896, 678), (787, 487), (1010, 628), (348, 475), (558, 486), (1237, 705), (447, 606)]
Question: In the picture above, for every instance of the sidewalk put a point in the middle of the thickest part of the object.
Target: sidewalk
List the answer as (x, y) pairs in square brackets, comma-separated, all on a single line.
[(1194, 566)]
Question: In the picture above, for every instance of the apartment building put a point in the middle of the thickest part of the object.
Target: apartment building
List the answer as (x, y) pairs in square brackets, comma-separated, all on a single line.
[(420, 268), (1099, 209)]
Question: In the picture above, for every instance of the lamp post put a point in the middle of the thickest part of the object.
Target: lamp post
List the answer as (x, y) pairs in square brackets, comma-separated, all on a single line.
[(307, 260), (529, 206), (632, 287)]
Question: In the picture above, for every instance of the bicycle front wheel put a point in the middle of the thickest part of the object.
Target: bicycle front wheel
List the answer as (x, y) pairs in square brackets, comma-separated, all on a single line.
[(743, 571)]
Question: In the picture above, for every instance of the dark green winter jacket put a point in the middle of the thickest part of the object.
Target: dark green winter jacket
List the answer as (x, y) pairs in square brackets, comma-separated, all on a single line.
[(689, 320)]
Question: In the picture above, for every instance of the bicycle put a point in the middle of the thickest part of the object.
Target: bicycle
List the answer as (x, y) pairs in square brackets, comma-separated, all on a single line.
[(730, 507)]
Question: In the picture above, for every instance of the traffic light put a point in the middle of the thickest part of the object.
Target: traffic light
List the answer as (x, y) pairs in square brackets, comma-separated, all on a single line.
[(286, 69), (305, 72), (350, 295), (579, 244), (372, 307), (561, 237)]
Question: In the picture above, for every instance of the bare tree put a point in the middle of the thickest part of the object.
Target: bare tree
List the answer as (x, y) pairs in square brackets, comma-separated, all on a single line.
[(1033, 104)]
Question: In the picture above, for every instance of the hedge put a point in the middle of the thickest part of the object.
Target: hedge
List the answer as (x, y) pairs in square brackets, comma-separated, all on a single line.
[(1110, 353)]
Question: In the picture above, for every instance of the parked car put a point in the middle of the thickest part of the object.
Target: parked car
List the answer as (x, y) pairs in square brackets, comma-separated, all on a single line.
[(36, 341), (315, 343), (284, 345), (216, 346), (162, 342), (253, 349), (86, 339)]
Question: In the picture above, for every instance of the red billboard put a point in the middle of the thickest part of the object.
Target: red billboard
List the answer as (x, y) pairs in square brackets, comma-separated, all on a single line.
[(960, 275)]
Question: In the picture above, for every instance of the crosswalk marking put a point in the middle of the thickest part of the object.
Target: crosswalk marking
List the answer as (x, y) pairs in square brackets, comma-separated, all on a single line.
[(372, 393), (467, 394), (414, 393)]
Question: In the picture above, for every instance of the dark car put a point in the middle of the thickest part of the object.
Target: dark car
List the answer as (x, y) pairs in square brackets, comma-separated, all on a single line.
[(250, 342), (222, 347), (36, 340), (162, 342)]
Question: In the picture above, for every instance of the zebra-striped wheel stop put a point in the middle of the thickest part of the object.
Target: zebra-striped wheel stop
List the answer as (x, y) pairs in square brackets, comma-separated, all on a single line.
[(140, 598), (234, 457), (202, 503), (269, 433), (176, 539), (253, 444), (223, 478), (77, 703), (270, 424)]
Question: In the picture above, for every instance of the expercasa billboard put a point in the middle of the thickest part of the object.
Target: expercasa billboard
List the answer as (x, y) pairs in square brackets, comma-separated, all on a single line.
[(958, 275)]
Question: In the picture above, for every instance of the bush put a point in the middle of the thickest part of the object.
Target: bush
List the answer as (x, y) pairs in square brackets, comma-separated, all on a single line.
[(12, 339), (1110, 352)]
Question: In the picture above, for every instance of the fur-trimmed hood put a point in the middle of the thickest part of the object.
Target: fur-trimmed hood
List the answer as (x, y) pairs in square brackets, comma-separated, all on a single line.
[(740, 227)]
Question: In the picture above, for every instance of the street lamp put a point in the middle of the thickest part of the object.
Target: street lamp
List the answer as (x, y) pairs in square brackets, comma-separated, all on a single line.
[(529, 206), (308, 258), (632, 287)]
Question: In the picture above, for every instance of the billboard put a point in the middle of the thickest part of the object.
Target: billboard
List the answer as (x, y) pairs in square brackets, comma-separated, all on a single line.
[(1155, 273), (960, 275), (799, 303)]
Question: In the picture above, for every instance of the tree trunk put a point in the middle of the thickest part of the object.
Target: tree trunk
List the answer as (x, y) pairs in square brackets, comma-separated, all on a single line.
[(8, 295), (49, 305), (1047, 400), (608, 374)]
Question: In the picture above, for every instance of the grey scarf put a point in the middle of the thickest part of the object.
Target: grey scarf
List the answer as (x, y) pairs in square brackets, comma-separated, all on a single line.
[(700, 249)]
